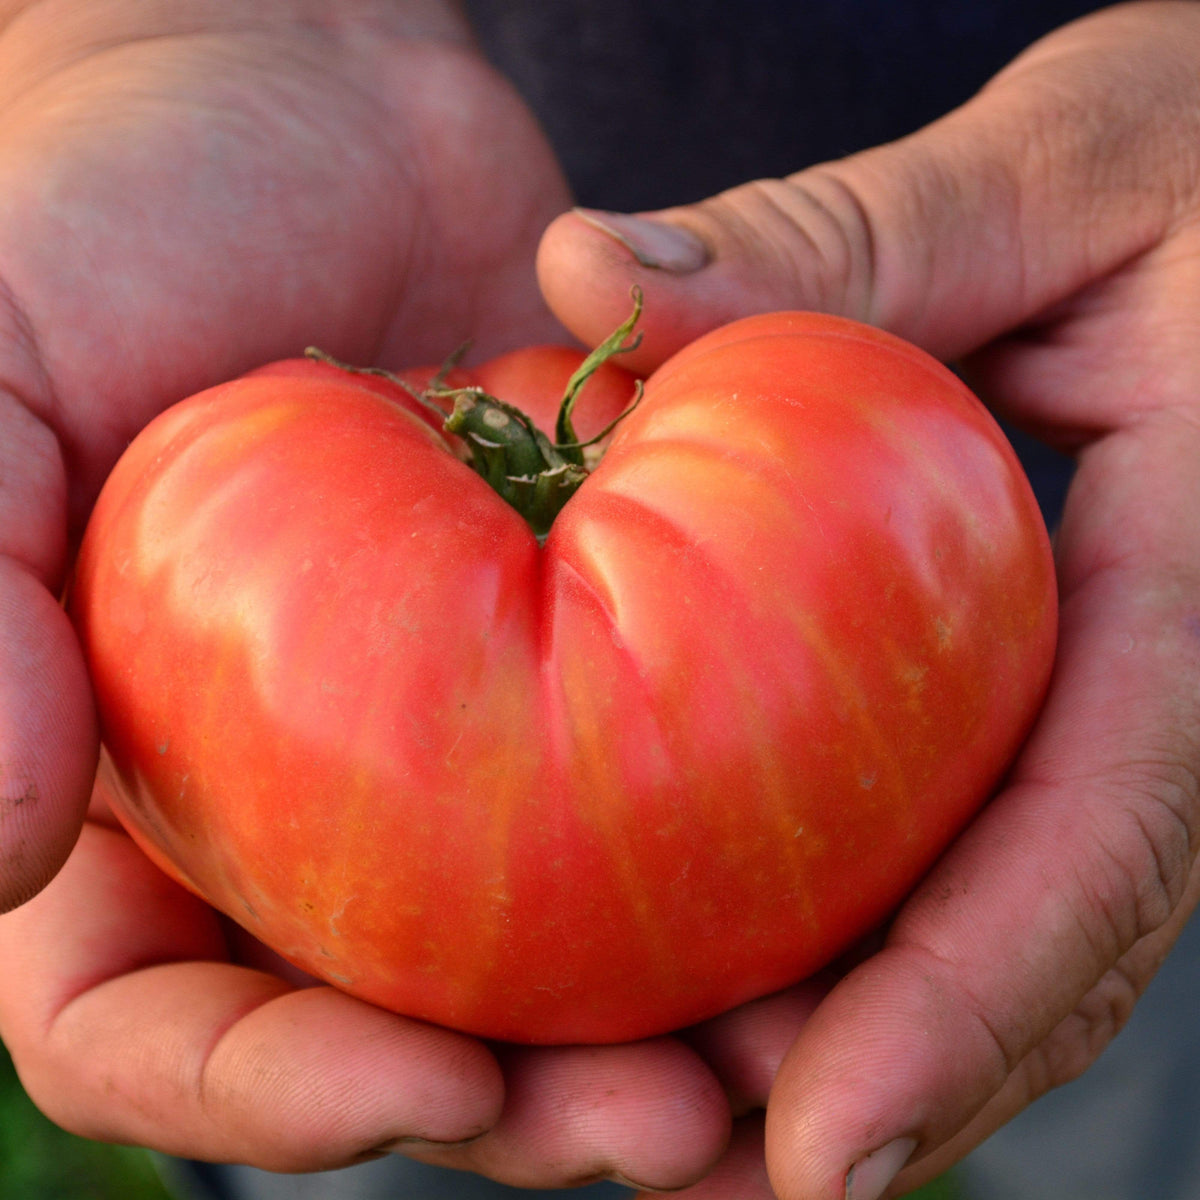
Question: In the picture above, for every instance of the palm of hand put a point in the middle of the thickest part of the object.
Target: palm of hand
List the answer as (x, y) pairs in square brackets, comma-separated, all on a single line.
[(183, 207)]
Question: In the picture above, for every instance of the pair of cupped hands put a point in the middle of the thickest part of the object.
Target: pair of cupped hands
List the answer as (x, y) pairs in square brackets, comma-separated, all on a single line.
[(190, 190)]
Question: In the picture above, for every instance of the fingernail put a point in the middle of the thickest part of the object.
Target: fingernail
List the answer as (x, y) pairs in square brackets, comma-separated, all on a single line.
[(653, 243), (869, 1177)]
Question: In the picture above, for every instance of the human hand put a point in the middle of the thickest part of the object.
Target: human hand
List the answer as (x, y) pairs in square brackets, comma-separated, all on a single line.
[(191, 190), (1047, 234)]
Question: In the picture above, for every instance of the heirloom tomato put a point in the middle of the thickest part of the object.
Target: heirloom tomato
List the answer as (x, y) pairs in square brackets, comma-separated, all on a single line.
[(775, 650)]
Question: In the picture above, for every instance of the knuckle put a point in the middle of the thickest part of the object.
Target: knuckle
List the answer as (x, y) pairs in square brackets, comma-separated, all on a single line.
[(812, 228), (1078, 1040), (1147, 842)]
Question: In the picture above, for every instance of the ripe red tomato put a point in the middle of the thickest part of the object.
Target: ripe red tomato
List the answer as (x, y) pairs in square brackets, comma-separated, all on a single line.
[(775, 651)]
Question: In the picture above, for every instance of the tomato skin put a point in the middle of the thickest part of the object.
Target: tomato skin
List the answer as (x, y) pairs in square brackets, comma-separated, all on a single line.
[(776, 651)]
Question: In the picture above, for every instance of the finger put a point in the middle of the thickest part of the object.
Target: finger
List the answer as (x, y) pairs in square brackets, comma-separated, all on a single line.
[(647, 1114), (1075, 1043), (949, 237), (48, 738), (741, 1173), (127, 1026), (745, 1047)]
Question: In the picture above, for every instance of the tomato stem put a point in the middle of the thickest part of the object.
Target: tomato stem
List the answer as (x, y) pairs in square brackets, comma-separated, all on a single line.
[(612, 345), (521, 464), (517, 459), (424, 398)]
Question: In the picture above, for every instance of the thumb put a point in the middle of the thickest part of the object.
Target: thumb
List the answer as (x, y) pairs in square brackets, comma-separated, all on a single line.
[(1059, 171), (48, 738)]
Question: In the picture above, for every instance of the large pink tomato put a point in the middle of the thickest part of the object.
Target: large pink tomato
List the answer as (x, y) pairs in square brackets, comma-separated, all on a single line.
[(777, 647)]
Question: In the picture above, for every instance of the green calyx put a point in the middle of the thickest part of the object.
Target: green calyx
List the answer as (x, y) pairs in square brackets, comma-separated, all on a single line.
[(518, 460), (523, 466), (535, 475)]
